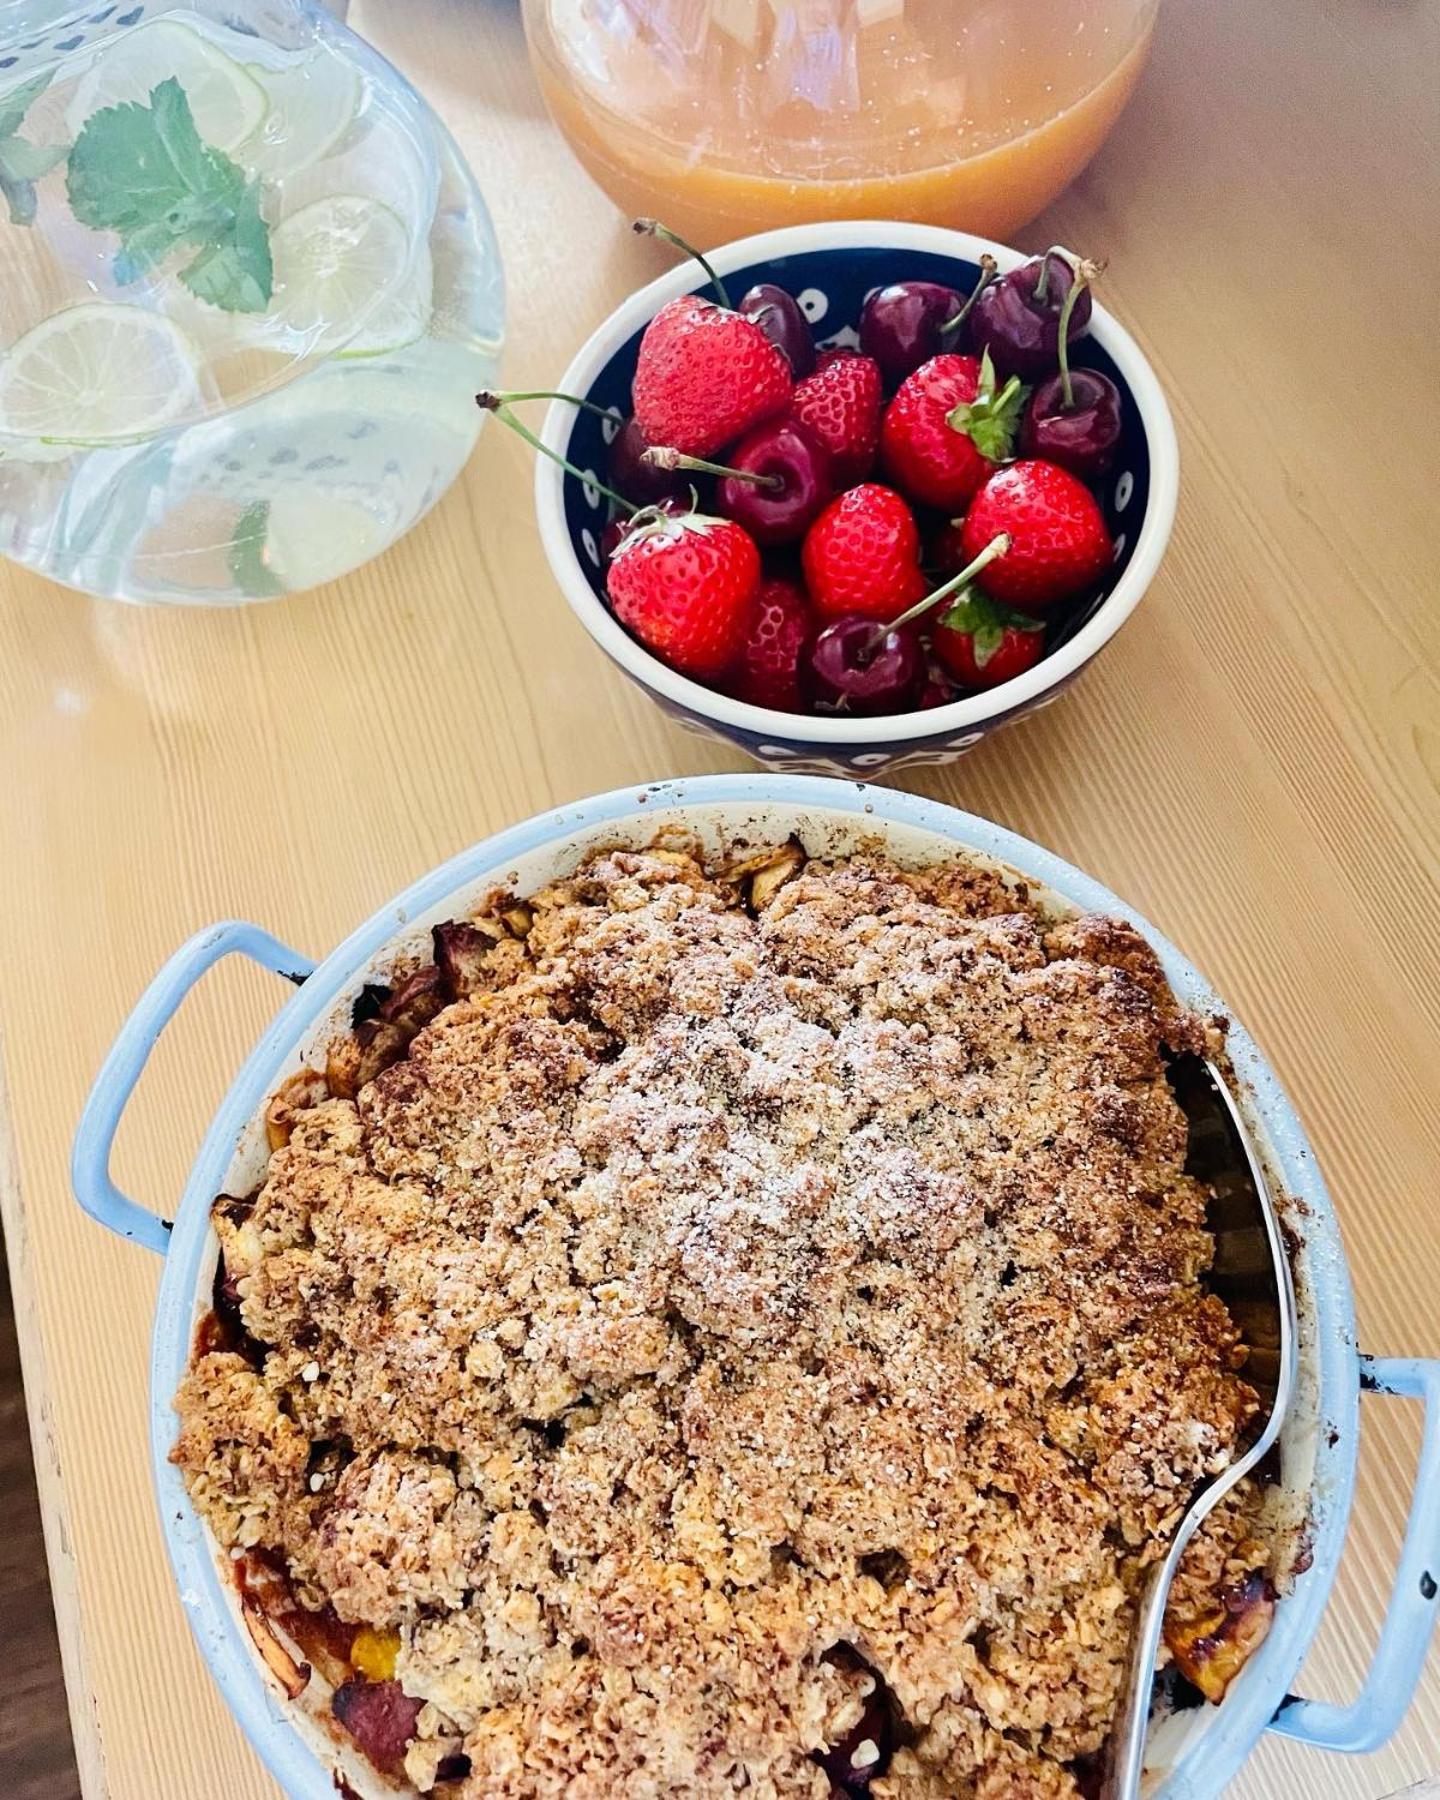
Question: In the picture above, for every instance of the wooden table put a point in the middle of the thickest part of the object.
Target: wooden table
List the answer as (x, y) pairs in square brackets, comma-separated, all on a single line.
[(1254, 763)]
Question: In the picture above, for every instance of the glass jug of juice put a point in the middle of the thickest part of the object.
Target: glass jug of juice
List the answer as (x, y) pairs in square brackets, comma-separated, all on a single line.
[(728, 116), (249, 291)]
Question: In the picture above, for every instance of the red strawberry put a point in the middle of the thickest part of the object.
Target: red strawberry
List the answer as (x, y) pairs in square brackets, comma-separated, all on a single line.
[(946, 429), (705, 374), (781, 624), (686, 586), (840, 403), (982, 644), (1059, 543), (862, 555)]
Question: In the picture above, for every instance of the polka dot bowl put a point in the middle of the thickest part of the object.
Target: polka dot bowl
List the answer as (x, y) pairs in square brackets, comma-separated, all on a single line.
[(830, 269)]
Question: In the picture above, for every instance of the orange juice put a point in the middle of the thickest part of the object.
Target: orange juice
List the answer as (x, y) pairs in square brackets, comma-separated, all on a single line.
[(729, 116)]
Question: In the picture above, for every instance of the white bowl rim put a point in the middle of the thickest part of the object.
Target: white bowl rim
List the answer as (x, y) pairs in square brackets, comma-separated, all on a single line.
[(938, 722)]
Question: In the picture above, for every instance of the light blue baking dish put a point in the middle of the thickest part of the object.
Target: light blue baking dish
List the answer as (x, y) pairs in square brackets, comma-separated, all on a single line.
[(1193, 1754)]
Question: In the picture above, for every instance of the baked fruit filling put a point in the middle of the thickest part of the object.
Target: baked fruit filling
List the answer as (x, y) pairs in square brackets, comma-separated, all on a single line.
[(731, 1329)]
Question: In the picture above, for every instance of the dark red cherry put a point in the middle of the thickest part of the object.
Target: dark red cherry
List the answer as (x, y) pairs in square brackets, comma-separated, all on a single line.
[(796, 483), (1081, 433), (856, 666), (779, 316), (638, 480), (1017, 318), (900, 325), (777, 481)]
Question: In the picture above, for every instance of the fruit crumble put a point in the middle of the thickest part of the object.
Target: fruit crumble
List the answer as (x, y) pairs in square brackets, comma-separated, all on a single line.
[(731, 1328)]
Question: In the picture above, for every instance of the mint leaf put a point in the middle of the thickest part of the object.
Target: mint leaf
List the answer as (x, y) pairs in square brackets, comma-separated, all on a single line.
[(15, 104), (145, 173), (22, 163), (248, 568), (236, 273)]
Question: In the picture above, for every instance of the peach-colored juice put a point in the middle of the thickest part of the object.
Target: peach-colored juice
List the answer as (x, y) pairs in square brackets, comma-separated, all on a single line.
[(728, 116)]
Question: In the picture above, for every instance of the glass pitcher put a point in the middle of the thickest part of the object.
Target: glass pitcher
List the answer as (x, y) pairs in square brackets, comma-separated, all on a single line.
[(728, 116), (249, 291)]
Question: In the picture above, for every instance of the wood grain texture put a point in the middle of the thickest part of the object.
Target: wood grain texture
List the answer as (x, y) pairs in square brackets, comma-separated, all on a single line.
[(1254, 764)]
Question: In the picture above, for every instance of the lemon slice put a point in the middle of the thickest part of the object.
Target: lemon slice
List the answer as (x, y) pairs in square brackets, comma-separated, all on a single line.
[(311, 106), (401, 320), (310, 539), (227, 103), (98, 372), (337, 261)]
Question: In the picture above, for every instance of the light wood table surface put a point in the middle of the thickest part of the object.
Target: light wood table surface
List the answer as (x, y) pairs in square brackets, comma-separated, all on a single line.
[(1254, 763)]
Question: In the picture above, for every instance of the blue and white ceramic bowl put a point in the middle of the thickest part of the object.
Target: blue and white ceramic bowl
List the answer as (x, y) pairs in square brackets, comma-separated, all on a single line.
[(830, 269)]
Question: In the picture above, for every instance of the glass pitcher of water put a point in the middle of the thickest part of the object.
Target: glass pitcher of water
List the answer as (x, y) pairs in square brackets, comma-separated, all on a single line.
[(248, 290)]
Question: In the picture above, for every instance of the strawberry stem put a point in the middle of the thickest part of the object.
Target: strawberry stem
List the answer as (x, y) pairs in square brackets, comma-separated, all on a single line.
[(653, 228), (1084, 275), (988, 267), (495, 403), (997, 546), (660, 456)]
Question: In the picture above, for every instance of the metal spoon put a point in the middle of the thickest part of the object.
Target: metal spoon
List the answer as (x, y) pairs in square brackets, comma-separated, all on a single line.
[(1251, 1273)]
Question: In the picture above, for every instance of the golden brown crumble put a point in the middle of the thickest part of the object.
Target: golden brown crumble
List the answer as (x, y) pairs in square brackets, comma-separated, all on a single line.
[(716, 1333)]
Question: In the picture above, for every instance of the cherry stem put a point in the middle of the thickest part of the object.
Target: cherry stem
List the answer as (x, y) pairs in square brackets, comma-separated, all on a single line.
[(997, 546), (1042, 286), (495, 403), (653, 228), (509, 397), (1081, 278), (988, 267), (660, 456)]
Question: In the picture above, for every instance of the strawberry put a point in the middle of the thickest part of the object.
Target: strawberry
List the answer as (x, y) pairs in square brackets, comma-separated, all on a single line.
[(840, 403), (704, 375), (946, 429), (982, 644), (1059, 542), (781, 624), (685, 585), (862, 555)]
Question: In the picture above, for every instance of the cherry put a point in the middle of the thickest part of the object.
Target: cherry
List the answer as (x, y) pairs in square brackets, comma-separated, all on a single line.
[(856, 667), (947, 553), (1017, 318), (1080, 433), (1073, 418), (777, 482), (643, 482), (779, 316), (908, 322)]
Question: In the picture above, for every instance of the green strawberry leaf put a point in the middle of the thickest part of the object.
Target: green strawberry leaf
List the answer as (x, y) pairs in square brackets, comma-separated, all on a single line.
[(22, 163), (145, 173), (986, 621), (991, 419)]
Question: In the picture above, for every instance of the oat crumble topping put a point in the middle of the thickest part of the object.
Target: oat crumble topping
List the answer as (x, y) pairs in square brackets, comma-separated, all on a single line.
[(737, 1352)]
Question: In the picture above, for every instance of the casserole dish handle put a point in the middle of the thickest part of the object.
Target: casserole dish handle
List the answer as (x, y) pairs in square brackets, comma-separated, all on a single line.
[(122, 1068), (1378, 1708)]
